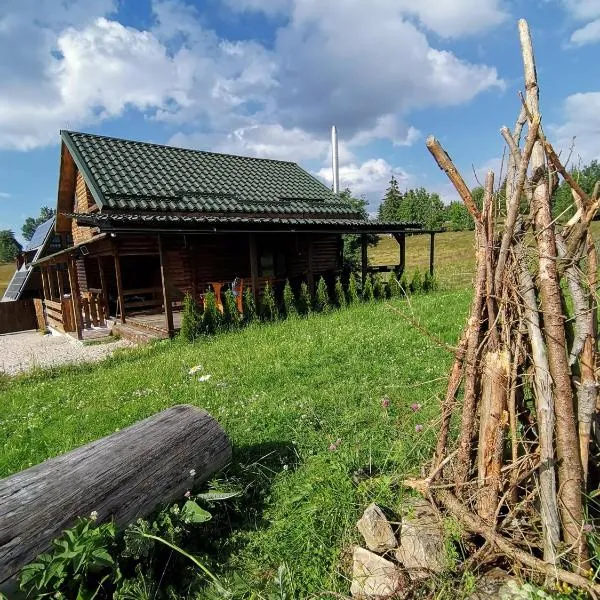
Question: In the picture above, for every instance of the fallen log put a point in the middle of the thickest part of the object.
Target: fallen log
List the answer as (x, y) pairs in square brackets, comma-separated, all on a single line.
[(121, 477)]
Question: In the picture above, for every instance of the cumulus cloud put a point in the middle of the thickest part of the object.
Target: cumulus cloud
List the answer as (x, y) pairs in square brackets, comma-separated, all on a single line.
[(581, 122), (588, 34), (587, 11)]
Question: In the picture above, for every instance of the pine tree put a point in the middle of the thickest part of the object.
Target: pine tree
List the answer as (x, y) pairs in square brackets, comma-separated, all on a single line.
[(340, 295), (389, 210), (191, 320), (404, 285), (352, 290), (212, 318), (367, 294), (249, 306), (379, 290), (322, 297), (289, 301), (304, 300), (268, 305), (231, 316)]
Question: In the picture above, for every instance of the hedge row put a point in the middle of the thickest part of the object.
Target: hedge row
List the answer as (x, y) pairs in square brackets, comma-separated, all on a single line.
[(197, 322)]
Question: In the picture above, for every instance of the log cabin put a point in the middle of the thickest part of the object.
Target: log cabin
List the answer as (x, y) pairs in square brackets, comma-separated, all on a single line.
[(150, 223)]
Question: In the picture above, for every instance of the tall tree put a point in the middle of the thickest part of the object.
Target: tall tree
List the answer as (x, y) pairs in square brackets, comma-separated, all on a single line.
[(390, 206), (420, 205), (9, 247), (31, 223)]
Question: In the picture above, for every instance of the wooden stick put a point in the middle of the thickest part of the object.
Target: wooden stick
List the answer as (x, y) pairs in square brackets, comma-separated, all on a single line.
[(476, 525), (445, 163)]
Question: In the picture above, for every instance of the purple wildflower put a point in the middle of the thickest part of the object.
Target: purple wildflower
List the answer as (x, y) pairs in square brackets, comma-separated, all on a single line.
[(188, 494), (332, 447), (415, 407), (385, 402), (418, 428)]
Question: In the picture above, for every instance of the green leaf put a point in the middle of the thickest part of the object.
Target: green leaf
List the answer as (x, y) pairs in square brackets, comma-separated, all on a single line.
[(216, 496), (194, 513), (30, 572), (102, 558)]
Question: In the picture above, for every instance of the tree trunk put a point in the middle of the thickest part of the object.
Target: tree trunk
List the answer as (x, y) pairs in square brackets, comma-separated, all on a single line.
[(122, 477)]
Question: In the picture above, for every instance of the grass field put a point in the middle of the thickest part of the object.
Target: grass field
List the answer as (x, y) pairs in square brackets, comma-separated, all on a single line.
[(6, 272), (284, 393)]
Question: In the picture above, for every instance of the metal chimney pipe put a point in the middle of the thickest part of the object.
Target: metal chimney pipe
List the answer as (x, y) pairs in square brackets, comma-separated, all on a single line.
[(335, 163)]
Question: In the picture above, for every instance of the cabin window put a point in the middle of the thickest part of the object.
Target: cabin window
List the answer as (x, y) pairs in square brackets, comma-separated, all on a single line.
[(272, 264)]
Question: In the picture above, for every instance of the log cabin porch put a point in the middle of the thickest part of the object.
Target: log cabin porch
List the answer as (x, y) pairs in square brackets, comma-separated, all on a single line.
[(139, 277)]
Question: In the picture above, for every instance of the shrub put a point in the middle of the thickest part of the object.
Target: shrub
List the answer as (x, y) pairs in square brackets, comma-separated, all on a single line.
[(212, 318), (416, 283), (340, 295), (304, 300), (249, 306), (394, 287), (289, 301), (191, 320), (268, 305), (429, 282), (404, 285), (322, 297), (379, 290), (367, 294), (231, 315), (352, 289)]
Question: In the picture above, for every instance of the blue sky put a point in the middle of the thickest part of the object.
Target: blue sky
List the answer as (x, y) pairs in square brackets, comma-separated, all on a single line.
[(269, 78)]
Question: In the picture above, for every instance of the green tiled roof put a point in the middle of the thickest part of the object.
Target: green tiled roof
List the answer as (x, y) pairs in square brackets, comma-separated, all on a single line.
[(125, 175)]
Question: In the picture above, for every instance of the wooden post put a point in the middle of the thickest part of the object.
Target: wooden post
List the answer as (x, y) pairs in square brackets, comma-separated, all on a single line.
[(165, 289), (44, 284), (253, 266), (121, 478), (364, 258), (119, 283), (310, 275), (61, 283), (105, 309), (74, 284), (431, 252), (401, 239)]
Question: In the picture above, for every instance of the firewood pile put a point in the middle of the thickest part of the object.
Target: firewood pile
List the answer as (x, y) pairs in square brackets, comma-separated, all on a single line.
[(517, 474)]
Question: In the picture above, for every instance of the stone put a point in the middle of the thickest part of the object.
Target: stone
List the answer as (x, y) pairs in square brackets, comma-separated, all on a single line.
[(495, 584), (374, 577), (375, 528), (421, 550)]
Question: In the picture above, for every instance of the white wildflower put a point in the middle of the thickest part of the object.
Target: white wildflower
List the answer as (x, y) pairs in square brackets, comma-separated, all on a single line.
[(195, 369), (94, 515), (192, 472), (204, 378)]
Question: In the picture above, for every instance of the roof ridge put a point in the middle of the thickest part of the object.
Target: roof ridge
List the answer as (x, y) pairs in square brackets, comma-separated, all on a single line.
[(181, 149)]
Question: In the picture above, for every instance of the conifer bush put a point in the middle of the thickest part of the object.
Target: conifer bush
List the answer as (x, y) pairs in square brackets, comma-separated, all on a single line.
[(322, 297), (231, 315), (191, 321), (404, 285), (416, 283), (340, 294), (352, 290), (268, 305), (212, 318), (367, 293), (289, 301), (304, 302), (249, 306), (394, 287), (379, 290), (429, 283)]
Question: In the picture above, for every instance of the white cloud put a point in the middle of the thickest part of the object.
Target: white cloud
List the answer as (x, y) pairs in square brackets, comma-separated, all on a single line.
[(4, 195), (582, 122), (582, 9), (369, 178), (587, 34), (268, 7)]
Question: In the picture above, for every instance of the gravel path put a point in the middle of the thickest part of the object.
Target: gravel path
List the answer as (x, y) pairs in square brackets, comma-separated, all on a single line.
[(26, 350)]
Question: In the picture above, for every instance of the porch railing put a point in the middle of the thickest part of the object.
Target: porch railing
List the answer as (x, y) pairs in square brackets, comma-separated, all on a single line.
[(59, 314)]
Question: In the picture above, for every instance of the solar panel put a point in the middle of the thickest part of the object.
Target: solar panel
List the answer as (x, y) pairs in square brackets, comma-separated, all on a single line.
[(39, 235), (16, 284)]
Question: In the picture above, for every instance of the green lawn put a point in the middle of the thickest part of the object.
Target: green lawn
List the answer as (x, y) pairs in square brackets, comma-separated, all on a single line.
[(284, 393), (6, 273)]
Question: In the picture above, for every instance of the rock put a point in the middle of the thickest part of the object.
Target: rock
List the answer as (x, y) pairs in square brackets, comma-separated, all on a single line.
[(421, 549), (374, 577), (493, 584), (376, 530)]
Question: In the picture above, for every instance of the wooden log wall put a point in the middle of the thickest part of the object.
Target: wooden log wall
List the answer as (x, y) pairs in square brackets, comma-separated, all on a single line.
[(82, 204), (122, 477)]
